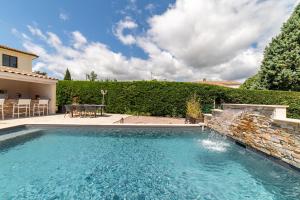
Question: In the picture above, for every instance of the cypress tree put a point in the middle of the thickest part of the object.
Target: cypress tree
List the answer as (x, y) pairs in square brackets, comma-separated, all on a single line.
[(67, 75), (280, 69)]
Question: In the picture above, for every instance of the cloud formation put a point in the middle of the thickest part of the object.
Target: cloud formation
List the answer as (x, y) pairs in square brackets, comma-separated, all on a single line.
[(210, 33), (63, 16), (191, 40), (150, 7), (82, 57), (127, 23)]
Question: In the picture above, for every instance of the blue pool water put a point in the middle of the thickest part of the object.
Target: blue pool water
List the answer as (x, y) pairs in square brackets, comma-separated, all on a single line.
[(139, 163)]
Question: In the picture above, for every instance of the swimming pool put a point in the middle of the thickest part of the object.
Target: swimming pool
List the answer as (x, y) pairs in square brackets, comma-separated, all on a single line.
[(138, 163)]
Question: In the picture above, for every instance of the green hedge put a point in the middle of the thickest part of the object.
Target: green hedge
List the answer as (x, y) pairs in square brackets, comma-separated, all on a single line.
[(167, 98)]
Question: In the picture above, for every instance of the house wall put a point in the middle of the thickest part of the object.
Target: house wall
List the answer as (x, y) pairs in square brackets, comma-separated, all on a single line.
[(233, 86), (24, 60), (13, 87), (45, 91)]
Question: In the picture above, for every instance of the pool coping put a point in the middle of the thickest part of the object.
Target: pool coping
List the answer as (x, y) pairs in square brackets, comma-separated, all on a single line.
[(6, 137), (117, 125)]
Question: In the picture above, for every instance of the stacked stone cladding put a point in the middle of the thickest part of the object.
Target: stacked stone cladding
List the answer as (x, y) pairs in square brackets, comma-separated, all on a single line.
[(255, 128)]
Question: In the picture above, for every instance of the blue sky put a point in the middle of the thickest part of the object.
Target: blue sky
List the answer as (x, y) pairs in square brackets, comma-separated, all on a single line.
[(94, 19), (181, 40)]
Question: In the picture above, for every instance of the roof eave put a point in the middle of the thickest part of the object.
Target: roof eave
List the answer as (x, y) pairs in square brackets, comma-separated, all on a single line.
[(26, 78), (19, 51)]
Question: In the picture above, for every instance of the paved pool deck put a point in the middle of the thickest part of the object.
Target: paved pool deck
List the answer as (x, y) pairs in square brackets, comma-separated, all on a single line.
[(107, 119), (154, 120), (61, 119)]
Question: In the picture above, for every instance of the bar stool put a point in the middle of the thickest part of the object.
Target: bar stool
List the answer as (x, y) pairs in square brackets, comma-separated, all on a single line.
[(2, 107), (22, 104), (43, 104)]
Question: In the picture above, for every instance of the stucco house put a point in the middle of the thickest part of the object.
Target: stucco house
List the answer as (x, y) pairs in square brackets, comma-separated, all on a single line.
[(18, 81)]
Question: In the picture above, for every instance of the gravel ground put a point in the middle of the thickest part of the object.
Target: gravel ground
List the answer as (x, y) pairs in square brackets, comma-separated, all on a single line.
[(152, 120)]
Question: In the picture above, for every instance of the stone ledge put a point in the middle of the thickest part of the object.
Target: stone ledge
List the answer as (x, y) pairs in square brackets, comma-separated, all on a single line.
[(256, 105), (17, 134), (291, 125), (288, 120), (207, 117), (217, 110), (272, 111)]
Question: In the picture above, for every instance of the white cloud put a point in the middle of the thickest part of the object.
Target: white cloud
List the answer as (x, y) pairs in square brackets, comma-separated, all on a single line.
[(218, 39), (63, 16), (14, 31), (127, 23), (20, 35), (131, 7), (191, 40), (94, 56), (150, 7), (209, 33), (78, 39), (36, 32), (53, 40), (245, 64)]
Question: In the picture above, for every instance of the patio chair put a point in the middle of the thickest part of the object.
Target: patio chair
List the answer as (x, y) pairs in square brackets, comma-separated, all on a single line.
[(41, 106), (80, 110), (22, 104), (2, 108), (68, 110), (90, 110)]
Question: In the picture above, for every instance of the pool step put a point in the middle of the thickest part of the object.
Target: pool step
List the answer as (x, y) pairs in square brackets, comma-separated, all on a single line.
[(18, 134)]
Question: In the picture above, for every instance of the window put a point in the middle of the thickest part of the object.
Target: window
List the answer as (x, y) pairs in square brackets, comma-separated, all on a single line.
[(9, 61), (5, 60)]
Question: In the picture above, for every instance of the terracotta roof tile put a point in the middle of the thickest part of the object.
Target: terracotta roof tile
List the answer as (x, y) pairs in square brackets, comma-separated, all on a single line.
[(20, 72), (220, 83)]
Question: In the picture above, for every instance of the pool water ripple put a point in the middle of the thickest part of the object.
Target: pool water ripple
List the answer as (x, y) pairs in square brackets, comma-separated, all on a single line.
[(140, 163)]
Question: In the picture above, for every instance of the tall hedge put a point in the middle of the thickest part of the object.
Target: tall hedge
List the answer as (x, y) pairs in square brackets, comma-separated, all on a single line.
[(167, 98)]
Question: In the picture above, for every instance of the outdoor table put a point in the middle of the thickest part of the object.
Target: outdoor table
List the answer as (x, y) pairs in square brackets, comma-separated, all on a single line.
[(98, 107)]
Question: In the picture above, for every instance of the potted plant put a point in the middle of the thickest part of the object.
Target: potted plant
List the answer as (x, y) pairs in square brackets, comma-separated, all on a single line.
[(193, 110), (75, 100)]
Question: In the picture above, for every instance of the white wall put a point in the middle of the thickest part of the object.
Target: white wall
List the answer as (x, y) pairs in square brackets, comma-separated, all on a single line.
[(24, 60), (14, 87), (45, 91)]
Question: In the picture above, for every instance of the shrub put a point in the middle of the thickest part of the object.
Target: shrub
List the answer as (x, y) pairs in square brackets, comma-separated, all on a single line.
[(167, 98), (193, 107)]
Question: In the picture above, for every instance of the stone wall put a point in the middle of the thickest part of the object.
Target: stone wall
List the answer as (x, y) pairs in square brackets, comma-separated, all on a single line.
[(257, 128)]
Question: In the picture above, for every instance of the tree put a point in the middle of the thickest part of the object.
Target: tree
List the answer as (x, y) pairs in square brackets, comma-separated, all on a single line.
[(251, 83), (92, 76), (68, 75), (280, 69)]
